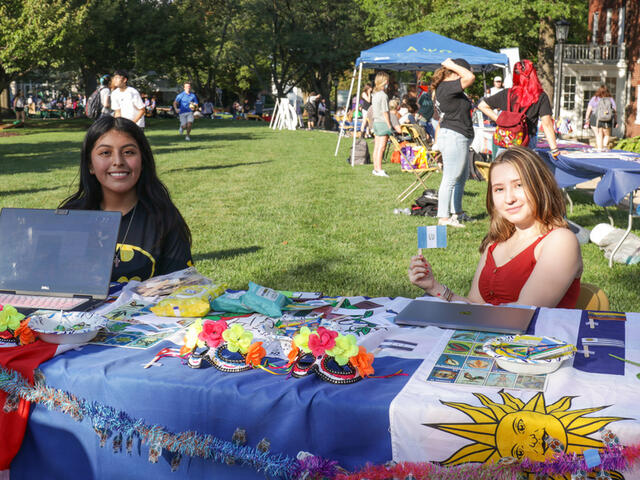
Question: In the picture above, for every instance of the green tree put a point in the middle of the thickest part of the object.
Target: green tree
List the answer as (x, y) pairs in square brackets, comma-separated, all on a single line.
[(34, 34)]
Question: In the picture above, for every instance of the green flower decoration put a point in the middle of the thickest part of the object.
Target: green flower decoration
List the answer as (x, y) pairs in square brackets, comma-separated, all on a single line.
[(191, 336), (237, 338), (345, 348), (302, 339), (10, 318)]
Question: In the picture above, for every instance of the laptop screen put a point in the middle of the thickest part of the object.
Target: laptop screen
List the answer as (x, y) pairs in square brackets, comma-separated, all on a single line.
[(57, 252)]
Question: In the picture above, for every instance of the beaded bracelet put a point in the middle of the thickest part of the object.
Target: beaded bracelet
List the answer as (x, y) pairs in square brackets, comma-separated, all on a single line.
[(447, 294)]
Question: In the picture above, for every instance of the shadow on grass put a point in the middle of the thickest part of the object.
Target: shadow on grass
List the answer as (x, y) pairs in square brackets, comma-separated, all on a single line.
[(30, 190), (221, 254), (39, 157), (213, 167)]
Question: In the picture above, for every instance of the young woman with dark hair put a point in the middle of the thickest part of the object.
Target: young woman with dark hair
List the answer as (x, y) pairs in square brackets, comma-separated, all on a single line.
[(526, 95), (118, 173), (529, 256)]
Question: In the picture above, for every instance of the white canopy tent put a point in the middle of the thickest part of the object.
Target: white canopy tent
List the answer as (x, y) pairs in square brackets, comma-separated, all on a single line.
[(420, 51)]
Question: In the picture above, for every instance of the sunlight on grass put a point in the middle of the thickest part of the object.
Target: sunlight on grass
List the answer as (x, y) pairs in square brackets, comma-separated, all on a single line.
[(277, 208)]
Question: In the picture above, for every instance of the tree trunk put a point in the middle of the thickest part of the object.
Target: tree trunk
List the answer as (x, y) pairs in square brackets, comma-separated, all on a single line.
[(546, 44), (90, 81)]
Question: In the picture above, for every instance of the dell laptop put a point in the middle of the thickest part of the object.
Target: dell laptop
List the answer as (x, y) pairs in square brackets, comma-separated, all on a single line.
[(56, 259), (464, 316)]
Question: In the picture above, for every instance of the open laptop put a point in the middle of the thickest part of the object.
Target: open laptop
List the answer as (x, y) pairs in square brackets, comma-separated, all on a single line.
[(463, 316), (56, 259)]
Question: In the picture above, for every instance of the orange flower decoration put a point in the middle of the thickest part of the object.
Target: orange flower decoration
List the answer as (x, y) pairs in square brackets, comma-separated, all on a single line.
[(293, 353), (25, 334), (363, 362), (255, 354), (184, 348)]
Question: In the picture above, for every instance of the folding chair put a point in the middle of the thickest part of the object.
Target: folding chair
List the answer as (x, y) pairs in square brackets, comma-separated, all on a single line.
[(421, 174), (417, 134), (483, 168)]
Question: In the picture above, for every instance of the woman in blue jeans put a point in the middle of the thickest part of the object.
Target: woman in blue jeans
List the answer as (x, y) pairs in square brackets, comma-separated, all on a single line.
[(454, 137)]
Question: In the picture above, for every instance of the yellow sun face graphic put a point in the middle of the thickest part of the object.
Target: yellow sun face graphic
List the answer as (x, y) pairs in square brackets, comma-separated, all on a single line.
[(517, 429)]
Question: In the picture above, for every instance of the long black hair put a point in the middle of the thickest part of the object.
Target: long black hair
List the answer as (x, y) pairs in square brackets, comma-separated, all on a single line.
[(152, 193)]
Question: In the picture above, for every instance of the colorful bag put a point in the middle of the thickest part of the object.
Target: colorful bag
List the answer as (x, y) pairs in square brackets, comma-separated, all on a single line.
[(407, 159), (511, 129)]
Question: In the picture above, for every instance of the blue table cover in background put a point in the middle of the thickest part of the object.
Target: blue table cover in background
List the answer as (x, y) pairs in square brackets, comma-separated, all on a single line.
[(347, 423), (619, 177)]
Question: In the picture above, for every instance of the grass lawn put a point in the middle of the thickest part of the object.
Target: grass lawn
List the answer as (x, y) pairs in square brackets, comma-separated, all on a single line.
[(278, 208)]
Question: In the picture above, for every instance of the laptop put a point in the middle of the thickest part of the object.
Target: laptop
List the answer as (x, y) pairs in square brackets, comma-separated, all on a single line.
[(56, 259), (463, 316)]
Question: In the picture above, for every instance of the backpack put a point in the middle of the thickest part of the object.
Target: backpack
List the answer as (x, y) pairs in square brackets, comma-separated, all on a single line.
[(511, 128), (93, 109), (604, 110), (361, 154), (426, 205), (426, 106)]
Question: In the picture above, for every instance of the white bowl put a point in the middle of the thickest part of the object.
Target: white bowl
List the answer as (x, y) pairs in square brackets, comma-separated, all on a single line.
[(67, 327), (525, 366)]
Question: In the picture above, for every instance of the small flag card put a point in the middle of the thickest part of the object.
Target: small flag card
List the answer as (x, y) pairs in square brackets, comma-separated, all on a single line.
[(434, 236)]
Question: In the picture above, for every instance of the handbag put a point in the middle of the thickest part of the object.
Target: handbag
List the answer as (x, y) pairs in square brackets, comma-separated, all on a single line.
[(511, 128)]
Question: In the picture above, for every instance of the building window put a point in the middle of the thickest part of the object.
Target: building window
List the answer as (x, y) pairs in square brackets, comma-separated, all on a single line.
[(594, 27), (621, 15), (568, 92), (607, 32), (590, 78)]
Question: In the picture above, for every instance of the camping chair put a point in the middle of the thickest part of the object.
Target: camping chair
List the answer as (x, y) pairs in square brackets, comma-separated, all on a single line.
[(417, 134), (421, 174)]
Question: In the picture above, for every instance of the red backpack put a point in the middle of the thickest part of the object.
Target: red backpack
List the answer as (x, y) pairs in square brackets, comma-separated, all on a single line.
[(511, 129)]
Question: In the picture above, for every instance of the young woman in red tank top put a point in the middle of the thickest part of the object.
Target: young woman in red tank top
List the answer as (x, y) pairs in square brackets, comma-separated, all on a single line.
[(529, 256)]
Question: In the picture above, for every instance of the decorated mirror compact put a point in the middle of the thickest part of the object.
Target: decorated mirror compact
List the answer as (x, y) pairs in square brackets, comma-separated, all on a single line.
[(528, 354), (67, 327)]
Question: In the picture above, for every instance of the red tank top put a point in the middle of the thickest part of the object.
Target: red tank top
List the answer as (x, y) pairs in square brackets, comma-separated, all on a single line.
[(503, 284)]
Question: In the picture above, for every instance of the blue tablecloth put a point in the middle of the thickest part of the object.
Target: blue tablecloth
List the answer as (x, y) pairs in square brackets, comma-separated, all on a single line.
[(619, 176), (347, 423)]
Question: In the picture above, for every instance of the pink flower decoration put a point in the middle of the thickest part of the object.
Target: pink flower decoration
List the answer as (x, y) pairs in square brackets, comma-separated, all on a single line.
[(322, 340), (212, 332)]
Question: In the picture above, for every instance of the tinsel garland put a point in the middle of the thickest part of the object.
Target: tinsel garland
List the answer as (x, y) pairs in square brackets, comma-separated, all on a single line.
[(109, 422)]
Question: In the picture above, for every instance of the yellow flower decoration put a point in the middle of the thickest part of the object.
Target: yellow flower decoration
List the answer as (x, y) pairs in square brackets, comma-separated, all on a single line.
[(302, 339), (191, 339), (237, 338), (10, 318), (345, 348)]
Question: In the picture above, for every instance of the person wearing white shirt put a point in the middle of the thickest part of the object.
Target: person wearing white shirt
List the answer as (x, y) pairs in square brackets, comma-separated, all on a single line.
[(497, 86), (126, 101)]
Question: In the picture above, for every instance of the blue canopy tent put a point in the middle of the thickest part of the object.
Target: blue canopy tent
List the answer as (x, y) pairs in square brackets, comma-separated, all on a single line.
[(420, 51)]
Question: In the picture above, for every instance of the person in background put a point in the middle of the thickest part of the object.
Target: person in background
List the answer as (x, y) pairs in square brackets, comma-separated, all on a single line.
[(68, 107), (105, 95), (322, 113), (601, 127), (185, 104), (365, 105), (207, 108), (381, 122), (529, 256), (425, 110), (18, 106), (312, 110), (453, 137), (125, 100), (525, 95), (258, 106), (118, 174), (408, 109), (151, 109), (497, 86), (246, 108)]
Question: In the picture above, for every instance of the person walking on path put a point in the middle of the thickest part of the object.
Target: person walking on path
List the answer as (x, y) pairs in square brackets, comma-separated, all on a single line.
[(185, 103), (454, 136), (601, 116)]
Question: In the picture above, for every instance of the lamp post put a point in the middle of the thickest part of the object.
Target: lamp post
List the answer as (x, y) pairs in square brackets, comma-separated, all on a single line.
[(562, 32)]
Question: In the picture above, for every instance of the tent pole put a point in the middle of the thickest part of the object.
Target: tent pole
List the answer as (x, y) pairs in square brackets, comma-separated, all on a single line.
[(346, 109), (355, 119)]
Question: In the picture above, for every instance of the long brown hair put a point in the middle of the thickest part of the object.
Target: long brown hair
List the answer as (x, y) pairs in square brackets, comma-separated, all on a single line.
[(541, 189), (438, 77), (603, 92)]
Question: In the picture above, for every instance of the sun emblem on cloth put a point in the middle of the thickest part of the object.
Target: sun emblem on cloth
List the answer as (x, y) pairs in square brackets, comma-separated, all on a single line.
[(517, 429)]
